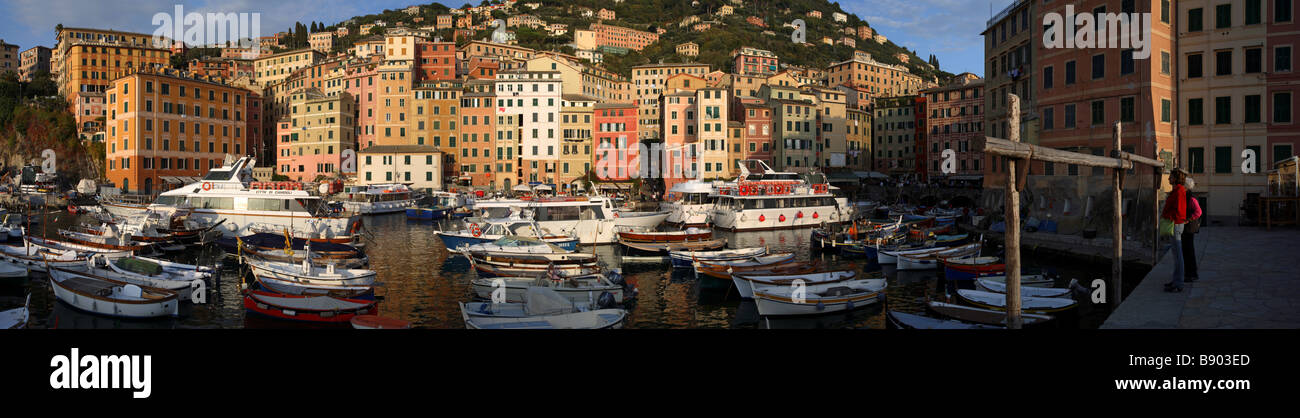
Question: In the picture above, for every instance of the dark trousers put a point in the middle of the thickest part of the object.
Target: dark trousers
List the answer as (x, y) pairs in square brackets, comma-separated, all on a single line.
[(1189, 254)]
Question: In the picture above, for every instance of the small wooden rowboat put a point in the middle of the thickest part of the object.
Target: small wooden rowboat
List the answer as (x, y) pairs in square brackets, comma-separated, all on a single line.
[(308, 274), (37, 258), (835, 297), (100, 242), (983, 316), (599, 319), (1035, 280), (16, 318), (289, 287), (692, 234), (687, 259), (747, 282), (997, 301), (104, 296), (307, 308), (930, 260), (493, 270), (903, 320)]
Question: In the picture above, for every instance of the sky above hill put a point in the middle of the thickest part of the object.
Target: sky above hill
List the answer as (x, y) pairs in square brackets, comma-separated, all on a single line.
[(949, 29)]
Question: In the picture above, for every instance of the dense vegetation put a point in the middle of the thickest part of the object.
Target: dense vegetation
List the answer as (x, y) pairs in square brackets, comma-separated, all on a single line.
[(33, 118)]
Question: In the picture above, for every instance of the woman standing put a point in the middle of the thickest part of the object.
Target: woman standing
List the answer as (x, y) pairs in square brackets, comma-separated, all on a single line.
[(1189, 232), (1175, 211)]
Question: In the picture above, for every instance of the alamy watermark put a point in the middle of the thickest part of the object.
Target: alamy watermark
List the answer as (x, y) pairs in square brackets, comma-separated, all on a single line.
[(206, 29), (1101, 30)]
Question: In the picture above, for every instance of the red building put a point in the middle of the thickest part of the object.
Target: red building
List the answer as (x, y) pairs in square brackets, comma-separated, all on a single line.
[(259, 146), (435, 61), (920, 136), (956, 122), (754, 61), (482, 68), (614, 135), (756, 139)]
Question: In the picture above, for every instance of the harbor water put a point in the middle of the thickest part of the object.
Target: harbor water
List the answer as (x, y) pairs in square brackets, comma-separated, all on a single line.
[(421, 282)]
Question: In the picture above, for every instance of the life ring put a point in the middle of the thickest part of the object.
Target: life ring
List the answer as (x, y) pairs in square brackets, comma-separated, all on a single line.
[(477, 232), (207, 186)]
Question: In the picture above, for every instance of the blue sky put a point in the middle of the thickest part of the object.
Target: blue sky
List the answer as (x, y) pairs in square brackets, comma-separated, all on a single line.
[(947, 28)]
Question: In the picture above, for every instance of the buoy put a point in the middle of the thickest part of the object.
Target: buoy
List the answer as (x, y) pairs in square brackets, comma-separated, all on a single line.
[(782, 218), (799, 215), (814, 215), (762, 218)]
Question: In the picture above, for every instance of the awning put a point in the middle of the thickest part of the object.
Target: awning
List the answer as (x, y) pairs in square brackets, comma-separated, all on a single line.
[(870, 175), (968, 177), (543, 188), (522, 188), (842, 177)]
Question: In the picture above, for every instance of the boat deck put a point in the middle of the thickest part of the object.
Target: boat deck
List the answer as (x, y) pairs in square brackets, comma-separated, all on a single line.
[(89, 286)]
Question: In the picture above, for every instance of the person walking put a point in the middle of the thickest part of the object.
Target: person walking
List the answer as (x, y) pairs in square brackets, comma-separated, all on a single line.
[(1189, 232), (1175, 211)]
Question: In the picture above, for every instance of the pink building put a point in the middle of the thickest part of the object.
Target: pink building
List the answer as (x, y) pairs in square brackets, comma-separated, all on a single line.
[(614, 134), (1282, 79)]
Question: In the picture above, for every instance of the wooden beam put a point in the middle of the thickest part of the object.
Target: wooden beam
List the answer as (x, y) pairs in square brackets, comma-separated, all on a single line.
[(1117, 265), (1017, 150), (1012, 241)]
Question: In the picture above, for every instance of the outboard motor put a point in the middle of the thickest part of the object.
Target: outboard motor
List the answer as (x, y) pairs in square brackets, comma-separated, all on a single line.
[(615, 276), (606, 301)]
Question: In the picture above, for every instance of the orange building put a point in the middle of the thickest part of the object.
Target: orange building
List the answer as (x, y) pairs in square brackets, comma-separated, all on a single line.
[(163, 125), (88, 59)]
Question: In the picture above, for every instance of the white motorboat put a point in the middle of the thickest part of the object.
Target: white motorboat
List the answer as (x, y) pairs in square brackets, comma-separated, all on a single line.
[(10, 271), (513, 244), (230, 193), (578, 289), (766, 200), (931, 260), (38, 258), (687, 259), (378, 199), (105, 296), (593, 220), (692, 203), (482, 231), (145, 274), (794, 300)]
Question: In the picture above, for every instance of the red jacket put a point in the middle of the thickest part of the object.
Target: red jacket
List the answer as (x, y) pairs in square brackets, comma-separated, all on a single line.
[(1176, 205)]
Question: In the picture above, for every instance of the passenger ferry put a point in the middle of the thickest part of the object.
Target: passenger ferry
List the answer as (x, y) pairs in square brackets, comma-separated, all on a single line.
[(230, 194), (594, 220), (766, 199), (694, 204), (376, 199)]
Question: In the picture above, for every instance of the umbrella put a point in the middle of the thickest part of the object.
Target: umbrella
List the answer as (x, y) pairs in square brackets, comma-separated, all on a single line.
[(542, 187), (522, 188)]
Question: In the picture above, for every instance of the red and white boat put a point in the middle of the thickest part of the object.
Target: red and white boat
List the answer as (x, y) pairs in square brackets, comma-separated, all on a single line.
[(765, 200), (307, 308)]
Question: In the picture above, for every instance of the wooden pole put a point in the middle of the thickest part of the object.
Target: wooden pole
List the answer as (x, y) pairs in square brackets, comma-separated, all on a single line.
[(1013, 217), (1117, 265)]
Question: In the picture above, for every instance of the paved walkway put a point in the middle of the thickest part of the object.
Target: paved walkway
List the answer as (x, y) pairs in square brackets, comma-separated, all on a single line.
[(1250, 278)]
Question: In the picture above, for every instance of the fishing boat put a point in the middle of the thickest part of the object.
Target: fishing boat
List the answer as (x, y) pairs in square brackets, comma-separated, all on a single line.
[(971, 267), (983, 316), (378, 322), (997, 301), (593, 220), (764, 199), (489, 264), (308, 274), (687, 259), (378, 199), (38, 258), (794, 300), (515, 244), (746, 282), (542, 308), (1037, 292), (307, 308), (787, 268), (519, 225), (579, 289), (100, 295), (271, 241), (930, 260), (686, 235), (889, 254), (230, 193), (297, 257), (692, 204), (16, 318), (103, 242), (762, 262), (661, 248), (903, 320), (290, 287)]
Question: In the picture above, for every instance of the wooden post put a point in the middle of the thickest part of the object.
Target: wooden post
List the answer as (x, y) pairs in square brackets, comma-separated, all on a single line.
[(1117, 265), (1013, 217)]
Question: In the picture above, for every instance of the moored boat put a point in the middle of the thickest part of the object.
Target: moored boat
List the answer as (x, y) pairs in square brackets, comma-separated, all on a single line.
[(971, 267), (1037, 292), (16, 318), (378, 322), (746, 282), (307, 308), (687, 259), (904, 320), (100, 295), (983, 316), (997, 301), (793, 300), (578, 289)]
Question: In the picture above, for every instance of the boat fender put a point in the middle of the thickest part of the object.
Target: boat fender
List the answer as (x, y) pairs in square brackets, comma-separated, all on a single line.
[(762, 218), (799, 215), (782, 219), (820, 306), (849, 305), (814, 215)]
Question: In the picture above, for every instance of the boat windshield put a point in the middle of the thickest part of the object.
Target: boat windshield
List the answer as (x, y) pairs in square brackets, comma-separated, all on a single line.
[(219, 175), (169, 200), (697, 199)]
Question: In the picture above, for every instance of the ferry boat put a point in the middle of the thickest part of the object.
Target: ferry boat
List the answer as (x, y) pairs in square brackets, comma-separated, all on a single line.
[(376, 199), (594, 220), (765, 200), (693, 206), (230, 196)]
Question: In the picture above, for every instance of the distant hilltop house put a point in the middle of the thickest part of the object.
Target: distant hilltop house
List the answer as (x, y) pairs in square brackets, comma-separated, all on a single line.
[(725, 11), (881, 39), (525, 20), (444, 22), (533, 6), (839, 17), (341, 31), (689, 20), (413, 10), (605, 14), (815, 13), (827, 40), (756, 21), (903, 57), (865, 33), (689, 49), (849, 30), (849, 40), (704, 26)]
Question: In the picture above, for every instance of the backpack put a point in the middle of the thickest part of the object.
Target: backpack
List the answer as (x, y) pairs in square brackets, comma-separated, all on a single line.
[(1193, 225)]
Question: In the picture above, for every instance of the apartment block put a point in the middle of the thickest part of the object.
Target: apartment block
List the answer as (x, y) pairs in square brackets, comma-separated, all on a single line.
[(1012, 41), (576, 126), (879, 78), (754, 61), (33, 60), (895, 131), (478, 133), (89, 59), (621, 37), (648, 83), (419, 165), (955, 122), (533, 98), (314, 134)]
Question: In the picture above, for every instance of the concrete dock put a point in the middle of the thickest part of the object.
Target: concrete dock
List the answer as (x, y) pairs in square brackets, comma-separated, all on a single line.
[(1249, 278)]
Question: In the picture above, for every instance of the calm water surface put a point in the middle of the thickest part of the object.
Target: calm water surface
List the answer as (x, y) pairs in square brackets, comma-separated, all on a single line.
[(422, 283)]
